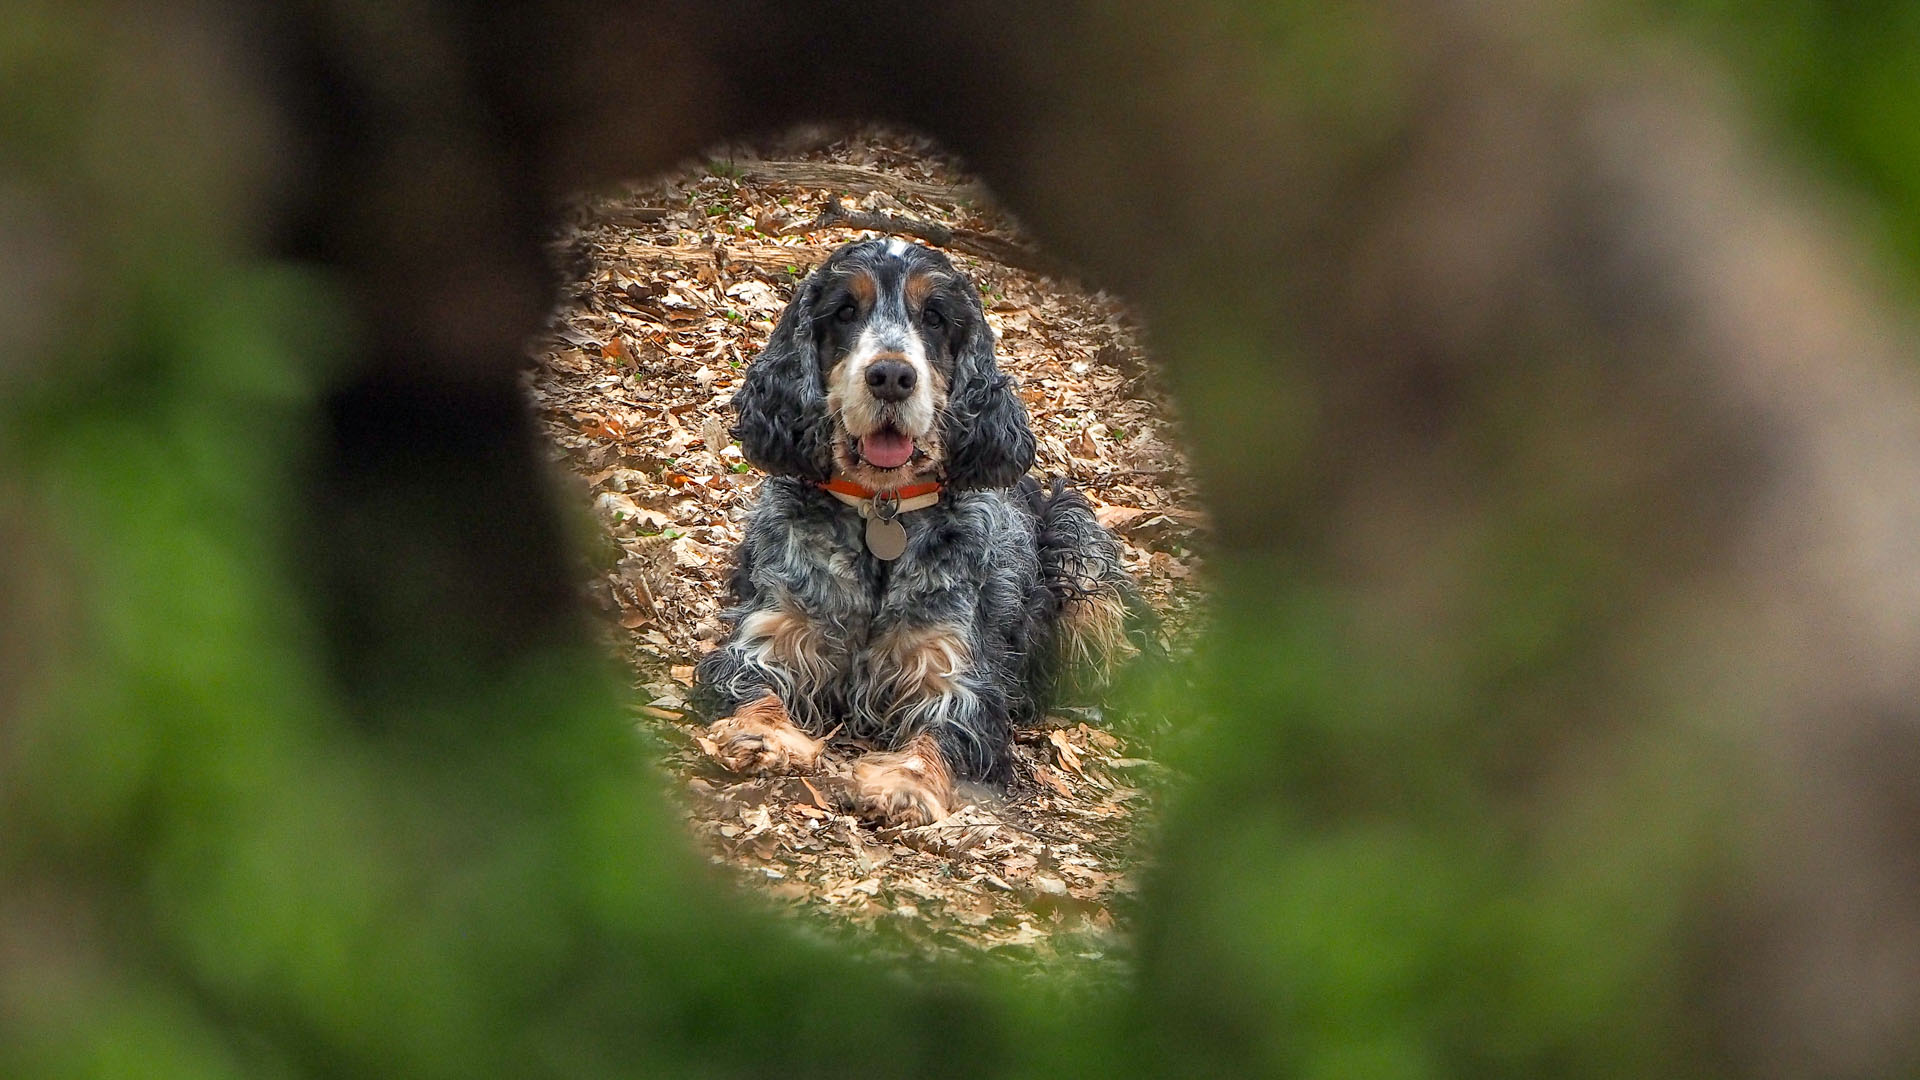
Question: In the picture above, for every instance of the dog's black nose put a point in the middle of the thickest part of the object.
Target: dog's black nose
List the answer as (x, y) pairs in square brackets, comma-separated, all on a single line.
[(890, 380)]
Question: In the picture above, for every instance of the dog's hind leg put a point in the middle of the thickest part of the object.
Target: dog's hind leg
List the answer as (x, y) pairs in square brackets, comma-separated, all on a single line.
[(1098, 621)]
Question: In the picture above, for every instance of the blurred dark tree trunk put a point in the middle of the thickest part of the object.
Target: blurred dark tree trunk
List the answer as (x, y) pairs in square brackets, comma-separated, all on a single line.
[(1565, 475)]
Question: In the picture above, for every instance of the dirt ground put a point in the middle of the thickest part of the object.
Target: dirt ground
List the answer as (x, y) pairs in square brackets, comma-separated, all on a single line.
[(675, 285)]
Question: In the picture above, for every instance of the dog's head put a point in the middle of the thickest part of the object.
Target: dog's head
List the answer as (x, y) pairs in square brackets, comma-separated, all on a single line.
[(881, 370)]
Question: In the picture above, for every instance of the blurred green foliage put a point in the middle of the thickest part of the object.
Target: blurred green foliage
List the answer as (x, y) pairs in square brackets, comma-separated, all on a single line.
[(244, 880)]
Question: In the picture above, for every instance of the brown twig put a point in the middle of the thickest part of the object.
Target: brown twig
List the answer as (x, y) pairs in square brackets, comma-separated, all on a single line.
[(835, 215), (820, 174)]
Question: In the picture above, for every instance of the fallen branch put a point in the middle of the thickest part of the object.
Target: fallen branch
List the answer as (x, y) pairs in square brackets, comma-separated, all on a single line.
[(835, 215), (819, 174), (767, 258)]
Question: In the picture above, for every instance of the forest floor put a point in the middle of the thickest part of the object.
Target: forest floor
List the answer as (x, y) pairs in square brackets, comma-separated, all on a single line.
[(674, 286)]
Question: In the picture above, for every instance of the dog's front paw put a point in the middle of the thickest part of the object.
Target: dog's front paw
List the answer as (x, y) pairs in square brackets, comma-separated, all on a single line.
[(908, 788), (761, 738)]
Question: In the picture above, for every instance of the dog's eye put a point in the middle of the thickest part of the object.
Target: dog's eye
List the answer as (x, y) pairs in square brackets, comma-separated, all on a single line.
[(845, 312), (933, 319)]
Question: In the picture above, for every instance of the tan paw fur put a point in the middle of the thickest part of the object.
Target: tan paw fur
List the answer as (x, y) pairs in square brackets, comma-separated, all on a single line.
[(761, 738), (908, 787)]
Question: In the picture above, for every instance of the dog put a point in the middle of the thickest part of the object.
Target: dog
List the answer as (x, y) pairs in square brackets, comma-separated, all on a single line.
[(902, 576)]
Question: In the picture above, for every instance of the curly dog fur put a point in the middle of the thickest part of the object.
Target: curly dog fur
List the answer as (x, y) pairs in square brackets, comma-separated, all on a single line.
[(881, 372)]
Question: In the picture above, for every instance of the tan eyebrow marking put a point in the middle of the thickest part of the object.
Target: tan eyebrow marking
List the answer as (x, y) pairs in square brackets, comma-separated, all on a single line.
[(861, 284), (921, 285)]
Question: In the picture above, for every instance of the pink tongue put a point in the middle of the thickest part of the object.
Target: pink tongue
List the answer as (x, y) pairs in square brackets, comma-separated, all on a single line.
[(887, 449)]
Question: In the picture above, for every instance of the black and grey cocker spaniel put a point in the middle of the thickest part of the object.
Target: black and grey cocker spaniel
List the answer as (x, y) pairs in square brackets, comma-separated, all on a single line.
[(902, 577)]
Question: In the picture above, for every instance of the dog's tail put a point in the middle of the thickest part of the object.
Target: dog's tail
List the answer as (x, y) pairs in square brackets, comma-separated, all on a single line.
[(1093, 618)]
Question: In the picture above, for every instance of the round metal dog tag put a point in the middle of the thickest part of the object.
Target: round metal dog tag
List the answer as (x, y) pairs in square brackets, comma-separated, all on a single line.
[(886, 538)]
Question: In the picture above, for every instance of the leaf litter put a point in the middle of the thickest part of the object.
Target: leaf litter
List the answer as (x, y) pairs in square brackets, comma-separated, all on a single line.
[(673, 286)]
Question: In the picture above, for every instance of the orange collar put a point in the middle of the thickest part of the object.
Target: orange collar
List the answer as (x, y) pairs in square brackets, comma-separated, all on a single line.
[(841, 486)]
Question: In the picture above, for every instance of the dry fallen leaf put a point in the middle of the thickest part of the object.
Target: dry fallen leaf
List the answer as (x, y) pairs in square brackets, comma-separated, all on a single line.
[(1052, 779), (818, 799), (1064, 750)]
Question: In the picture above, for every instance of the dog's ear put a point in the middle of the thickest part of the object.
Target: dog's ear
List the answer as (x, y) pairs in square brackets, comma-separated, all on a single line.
[(988, 442), (782, 406)]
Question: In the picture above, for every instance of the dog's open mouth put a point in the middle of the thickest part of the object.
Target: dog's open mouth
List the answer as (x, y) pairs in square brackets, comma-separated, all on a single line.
[(888, 448)]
